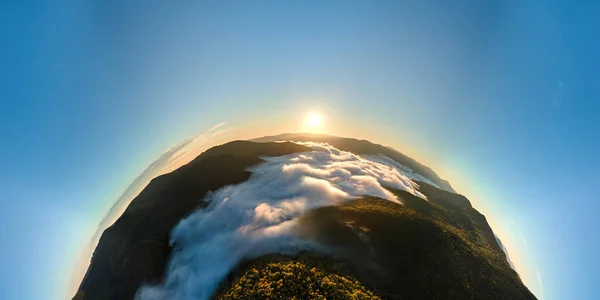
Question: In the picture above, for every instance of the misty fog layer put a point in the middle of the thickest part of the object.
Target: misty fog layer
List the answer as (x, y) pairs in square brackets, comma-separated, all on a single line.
[(258, 216)]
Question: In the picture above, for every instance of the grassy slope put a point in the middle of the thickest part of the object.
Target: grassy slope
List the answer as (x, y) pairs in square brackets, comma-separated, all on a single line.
[(436, 249)]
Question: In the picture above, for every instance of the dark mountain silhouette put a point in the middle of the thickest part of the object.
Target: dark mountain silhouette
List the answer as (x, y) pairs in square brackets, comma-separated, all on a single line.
[(436, 249), (135, 249)]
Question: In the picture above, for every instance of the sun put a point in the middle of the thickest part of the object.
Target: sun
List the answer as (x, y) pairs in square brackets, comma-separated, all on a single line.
[(313, 121)]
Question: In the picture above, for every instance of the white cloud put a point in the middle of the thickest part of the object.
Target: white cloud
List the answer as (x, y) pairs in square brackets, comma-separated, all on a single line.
[(170, 160), (259, 215), (404, 169), (541, 286)]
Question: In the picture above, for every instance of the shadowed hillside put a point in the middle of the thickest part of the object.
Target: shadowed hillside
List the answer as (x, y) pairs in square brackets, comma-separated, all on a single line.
[(135, 249), (436, 249)]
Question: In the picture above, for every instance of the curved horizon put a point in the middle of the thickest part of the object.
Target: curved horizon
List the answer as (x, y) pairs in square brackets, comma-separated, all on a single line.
[(193, 147), (498, 98)]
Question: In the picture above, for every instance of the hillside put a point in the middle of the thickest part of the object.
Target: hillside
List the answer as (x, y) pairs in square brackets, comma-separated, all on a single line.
[(439, 248), (436, 249), (135, 249)]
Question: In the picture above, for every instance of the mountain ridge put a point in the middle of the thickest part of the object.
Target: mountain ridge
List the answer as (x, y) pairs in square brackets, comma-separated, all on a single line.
[(364, 147), (135, 250)]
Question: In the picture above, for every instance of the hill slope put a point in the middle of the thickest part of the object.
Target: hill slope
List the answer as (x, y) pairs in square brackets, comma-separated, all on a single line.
[(135, 249), (436, 249)]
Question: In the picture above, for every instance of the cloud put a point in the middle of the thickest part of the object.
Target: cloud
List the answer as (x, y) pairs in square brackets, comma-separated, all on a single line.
[(523, 262), (170, 160), (260, 215), (539, 278), (503, 248), (404, 169)]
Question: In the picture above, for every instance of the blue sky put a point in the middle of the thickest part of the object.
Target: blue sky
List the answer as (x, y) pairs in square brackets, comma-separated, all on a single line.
[(500, 97)]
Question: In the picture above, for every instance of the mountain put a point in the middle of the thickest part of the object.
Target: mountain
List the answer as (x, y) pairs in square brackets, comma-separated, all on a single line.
[(429, 244), (505, 252), (135, 249), (362, 147), (437, 249)]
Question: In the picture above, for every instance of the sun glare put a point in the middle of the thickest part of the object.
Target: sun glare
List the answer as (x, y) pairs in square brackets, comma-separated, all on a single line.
[(313, 121)]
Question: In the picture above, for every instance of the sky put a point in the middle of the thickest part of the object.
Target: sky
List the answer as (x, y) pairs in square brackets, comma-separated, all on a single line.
[(501, 98)]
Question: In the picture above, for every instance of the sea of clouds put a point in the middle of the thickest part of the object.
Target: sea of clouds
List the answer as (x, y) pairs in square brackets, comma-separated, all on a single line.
[(170, 160), (259, 216)]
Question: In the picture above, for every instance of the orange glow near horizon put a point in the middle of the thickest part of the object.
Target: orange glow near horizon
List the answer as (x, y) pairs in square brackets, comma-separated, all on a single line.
[(313, 122)]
